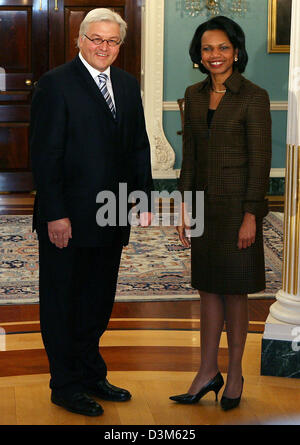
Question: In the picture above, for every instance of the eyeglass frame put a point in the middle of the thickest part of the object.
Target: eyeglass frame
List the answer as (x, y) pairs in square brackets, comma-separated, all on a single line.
[(104, 40)]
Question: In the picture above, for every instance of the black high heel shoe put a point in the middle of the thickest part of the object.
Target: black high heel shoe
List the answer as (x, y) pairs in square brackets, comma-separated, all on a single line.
[(227, 403), (214, 384)]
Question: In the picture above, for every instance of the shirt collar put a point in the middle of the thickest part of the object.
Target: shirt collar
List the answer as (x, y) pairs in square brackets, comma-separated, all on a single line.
[(93, 72), (233, 83)]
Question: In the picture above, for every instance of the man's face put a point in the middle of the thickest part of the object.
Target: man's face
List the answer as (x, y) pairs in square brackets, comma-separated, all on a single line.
[(101, 56)]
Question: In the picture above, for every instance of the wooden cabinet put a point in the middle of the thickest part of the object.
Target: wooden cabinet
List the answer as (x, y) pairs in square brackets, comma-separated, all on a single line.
[(36, 36)]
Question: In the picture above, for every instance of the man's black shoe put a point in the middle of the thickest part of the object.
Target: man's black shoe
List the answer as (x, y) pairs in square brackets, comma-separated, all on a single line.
[(104, 390), (79, 403)]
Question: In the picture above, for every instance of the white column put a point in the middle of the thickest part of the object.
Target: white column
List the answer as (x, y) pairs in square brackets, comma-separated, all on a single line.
[(162, 154), (285, 312)]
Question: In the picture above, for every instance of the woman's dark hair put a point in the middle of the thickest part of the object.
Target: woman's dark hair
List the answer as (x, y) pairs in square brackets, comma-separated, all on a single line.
[(235, 34)]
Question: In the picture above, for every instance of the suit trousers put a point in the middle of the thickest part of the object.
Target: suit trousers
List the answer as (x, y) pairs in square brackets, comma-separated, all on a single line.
[(77, 292)]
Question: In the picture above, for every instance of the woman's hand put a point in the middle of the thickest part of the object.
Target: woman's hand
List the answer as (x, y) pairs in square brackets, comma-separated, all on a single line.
[(185, 225), (247, 231)]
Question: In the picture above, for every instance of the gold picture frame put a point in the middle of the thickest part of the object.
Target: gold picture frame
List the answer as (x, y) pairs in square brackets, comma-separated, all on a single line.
[(279, 20)]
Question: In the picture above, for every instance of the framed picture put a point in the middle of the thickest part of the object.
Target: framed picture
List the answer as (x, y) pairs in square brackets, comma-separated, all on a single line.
[(279, 26)]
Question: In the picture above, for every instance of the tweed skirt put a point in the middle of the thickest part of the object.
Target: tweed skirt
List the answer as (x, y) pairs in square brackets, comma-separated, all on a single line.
[(217, 264)]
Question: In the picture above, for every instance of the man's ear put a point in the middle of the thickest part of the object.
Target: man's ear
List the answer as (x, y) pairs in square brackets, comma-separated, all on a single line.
[(79, 40)]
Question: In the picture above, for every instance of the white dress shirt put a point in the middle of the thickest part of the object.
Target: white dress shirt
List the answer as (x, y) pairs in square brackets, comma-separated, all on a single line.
[(95, 73)]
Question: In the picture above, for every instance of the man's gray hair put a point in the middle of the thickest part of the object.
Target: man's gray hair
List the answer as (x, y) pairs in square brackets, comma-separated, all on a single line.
[(103, 15)]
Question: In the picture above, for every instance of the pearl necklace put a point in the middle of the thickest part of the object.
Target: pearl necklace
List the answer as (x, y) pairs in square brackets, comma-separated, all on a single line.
[(219, 91)]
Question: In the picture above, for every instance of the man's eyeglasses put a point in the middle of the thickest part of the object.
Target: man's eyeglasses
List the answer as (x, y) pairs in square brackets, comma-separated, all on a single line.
[(99, 41)]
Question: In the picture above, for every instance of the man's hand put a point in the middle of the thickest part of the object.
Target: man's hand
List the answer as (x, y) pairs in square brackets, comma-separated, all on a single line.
[(185, 225), (145, 219), (247, 231), (60, 231)]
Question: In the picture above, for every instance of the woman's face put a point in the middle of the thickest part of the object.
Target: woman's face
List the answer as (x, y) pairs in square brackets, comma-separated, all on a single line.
[(217, 52)]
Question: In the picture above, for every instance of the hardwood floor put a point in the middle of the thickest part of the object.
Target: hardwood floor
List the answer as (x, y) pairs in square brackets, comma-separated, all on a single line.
[(153, 365), (151, 348)]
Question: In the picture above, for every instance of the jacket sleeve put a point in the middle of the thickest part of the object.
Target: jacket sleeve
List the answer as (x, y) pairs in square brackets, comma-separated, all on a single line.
[(143, 179), (259, 146), (47, 140), (187, 173)]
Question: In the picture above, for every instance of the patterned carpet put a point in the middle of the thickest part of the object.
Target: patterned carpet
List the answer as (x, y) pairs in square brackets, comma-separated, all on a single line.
[(154, 266)]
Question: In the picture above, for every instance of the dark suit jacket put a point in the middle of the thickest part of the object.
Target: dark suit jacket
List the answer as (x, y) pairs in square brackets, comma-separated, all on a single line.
[(78, 149), (233, 158)]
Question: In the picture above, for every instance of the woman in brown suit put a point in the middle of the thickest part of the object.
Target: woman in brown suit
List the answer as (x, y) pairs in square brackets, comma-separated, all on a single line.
[(227, 153)]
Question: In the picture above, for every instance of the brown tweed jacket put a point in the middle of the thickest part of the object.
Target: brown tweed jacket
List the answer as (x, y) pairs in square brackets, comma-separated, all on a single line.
[(233, 158)]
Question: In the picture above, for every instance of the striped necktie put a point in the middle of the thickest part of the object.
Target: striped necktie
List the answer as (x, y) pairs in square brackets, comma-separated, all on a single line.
[(103, 88)]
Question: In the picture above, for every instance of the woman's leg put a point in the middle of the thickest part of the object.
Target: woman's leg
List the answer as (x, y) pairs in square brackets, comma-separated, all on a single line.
[(211, 325), (236, 315)]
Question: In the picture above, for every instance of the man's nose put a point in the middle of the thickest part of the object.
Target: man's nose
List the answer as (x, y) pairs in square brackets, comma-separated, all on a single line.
[(104, 44)]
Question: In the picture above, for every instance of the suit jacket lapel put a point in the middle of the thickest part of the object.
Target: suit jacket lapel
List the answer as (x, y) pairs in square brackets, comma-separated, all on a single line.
[(91, 86)]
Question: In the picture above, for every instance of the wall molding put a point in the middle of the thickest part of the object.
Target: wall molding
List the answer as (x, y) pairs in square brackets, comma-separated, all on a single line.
[(275, 106), (277, 173), (152, 75), (280, 105), (274, 173)]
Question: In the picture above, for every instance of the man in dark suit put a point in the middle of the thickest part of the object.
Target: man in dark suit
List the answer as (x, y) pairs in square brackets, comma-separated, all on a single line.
[(87, 136)]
